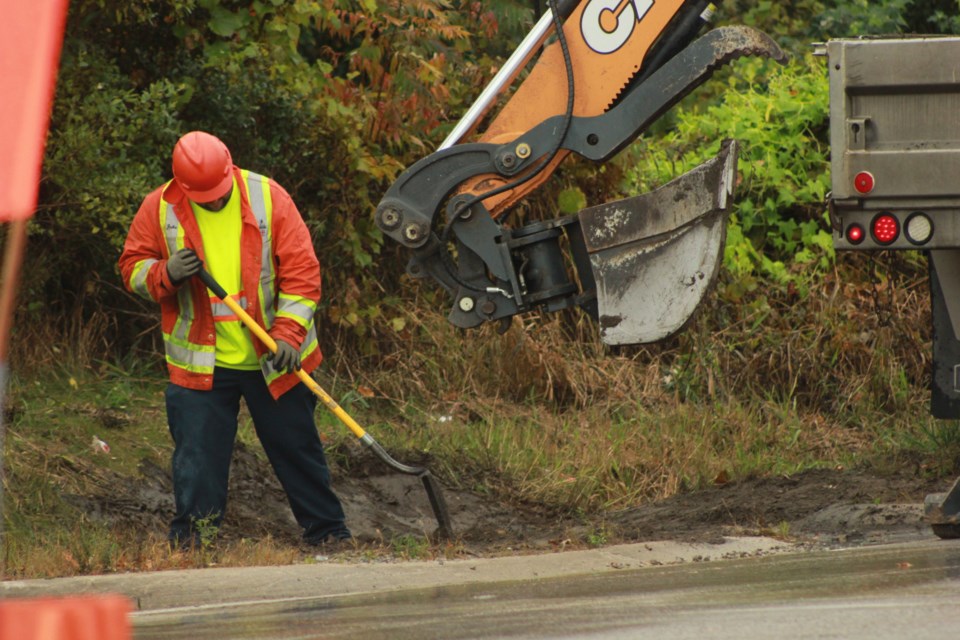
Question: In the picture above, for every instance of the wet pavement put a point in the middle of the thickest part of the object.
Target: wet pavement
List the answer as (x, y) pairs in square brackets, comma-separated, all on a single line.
[(349, 575), (742, 588), (897, 591)]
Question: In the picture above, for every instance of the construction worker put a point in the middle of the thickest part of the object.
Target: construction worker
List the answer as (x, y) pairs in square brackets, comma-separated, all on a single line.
[(246, 231)]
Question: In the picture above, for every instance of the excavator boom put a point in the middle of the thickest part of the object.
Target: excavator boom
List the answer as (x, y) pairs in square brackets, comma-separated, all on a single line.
[(608, 41), (614, 68)]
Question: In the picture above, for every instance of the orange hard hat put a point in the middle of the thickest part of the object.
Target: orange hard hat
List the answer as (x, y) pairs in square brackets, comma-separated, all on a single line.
[(202, 166)]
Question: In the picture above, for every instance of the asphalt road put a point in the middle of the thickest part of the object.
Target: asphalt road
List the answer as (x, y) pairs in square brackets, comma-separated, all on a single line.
[(906, 590)]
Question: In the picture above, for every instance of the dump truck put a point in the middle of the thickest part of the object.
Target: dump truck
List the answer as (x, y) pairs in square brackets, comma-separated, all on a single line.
[(895, 171)]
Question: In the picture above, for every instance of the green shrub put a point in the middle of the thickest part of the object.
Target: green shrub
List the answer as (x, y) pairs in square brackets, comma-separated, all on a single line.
[(332, 98), (779, 115)]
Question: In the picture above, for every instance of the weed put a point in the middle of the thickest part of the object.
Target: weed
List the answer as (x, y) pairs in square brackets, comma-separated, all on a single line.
[(410, 547), (780, 531), (598, 537), (940, 440), (207, 530), (941, 435)]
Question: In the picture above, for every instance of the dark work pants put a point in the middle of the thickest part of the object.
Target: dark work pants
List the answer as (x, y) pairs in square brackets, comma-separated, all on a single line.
[(204, 426)]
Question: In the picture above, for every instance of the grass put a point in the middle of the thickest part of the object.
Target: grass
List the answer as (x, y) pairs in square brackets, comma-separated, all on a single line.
[(52, 462), (592, 462), (588, 460), (411, 547), (543, 414)]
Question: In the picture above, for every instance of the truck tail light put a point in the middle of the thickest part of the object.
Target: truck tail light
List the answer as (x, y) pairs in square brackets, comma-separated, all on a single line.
[(855, 234), (918, 228), (885, 228), (864, 182)]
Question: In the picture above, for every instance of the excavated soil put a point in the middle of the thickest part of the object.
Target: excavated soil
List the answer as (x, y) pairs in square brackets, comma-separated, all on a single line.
[(823, 507)]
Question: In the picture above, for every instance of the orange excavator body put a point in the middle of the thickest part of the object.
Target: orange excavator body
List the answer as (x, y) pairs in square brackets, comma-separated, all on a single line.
[(608, 41), (639, 265)]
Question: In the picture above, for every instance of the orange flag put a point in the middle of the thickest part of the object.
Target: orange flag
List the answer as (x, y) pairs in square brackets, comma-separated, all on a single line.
[(31, 33)]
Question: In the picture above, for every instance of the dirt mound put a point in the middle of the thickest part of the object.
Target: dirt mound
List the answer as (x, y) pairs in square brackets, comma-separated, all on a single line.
[(380, 504), (829, 506)]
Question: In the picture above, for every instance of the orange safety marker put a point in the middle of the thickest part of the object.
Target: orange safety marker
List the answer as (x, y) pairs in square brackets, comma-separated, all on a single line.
[(31, 35), (70, 618)]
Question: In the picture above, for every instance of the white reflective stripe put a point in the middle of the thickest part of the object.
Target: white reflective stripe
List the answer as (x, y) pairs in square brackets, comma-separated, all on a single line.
[(138, 279), (220, 308), (173, 232), (181, 330), (269, 315), (171, 227), (310, 342), (297, 308), (180, 352), (192, 357), (258, 193)]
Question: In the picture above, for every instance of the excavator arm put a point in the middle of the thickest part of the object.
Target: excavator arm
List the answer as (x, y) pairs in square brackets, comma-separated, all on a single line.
[(639, 266)]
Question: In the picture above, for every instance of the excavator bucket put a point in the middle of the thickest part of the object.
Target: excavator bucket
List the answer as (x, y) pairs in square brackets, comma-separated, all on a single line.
[(655, 256)]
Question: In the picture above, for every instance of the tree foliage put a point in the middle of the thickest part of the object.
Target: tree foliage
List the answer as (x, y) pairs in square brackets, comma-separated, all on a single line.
[(333, 98), (778, 233)]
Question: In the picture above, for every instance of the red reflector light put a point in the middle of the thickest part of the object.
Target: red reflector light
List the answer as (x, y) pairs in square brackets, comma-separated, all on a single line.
[(886, 228), (855, 234), (864, 182)]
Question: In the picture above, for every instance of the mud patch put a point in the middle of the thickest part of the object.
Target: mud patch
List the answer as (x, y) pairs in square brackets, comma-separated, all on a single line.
[(826, 507), (868, 523)]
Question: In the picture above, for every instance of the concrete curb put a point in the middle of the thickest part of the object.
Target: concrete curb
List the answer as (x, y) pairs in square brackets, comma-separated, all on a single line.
[(163, 591)]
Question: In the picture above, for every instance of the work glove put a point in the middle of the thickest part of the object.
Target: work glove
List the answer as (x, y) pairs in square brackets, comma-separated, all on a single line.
[(287, 357), (183, 265)]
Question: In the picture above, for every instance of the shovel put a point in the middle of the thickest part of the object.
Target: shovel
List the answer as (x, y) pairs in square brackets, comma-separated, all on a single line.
[(437, 503)]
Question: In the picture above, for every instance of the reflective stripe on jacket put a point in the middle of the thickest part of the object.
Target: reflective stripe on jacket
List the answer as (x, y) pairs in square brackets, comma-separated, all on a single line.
[(277, 261)]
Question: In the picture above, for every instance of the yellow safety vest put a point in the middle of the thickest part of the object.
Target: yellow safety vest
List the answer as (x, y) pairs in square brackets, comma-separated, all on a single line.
[(198, 358)]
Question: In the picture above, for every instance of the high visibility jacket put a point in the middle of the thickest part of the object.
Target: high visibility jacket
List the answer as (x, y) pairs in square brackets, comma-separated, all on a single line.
[(277, 261)]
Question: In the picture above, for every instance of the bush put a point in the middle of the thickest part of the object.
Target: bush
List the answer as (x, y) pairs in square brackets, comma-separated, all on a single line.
[(779, 115), (332, 98)]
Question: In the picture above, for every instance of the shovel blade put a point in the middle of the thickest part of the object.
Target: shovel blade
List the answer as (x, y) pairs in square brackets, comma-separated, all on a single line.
[(655, 256)]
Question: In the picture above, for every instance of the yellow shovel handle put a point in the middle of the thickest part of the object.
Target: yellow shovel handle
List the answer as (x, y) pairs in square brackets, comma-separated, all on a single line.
[(265, 338), (432, 487)]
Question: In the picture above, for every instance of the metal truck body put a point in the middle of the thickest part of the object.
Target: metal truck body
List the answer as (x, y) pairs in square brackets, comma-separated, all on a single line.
[(895, 169)]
